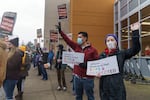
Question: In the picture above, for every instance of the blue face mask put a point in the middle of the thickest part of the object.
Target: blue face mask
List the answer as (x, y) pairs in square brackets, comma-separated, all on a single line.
[(79, 41)]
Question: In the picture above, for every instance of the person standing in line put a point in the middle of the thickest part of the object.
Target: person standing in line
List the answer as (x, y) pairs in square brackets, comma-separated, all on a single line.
[(81, 80), (26, 64), (34, 59), (44, 56), (13, 68), (50, 57), (38, 54), (60, 69), (3, 61), (112, 87), (41, 61)]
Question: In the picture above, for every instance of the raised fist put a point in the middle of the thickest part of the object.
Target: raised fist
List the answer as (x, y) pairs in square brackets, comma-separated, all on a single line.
[(58, 27)]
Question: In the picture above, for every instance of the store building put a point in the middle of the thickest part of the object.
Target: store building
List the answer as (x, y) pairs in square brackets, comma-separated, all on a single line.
[(127, 12)]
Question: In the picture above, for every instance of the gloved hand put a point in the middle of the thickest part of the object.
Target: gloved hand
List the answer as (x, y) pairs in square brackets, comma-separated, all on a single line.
[(83, 65), (58, 27)]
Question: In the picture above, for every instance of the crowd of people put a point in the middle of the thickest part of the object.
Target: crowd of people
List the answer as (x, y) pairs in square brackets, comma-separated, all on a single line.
[(15, 63)]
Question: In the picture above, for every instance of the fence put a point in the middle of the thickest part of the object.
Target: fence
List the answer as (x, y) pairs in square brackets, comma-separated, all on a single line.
[(137, 70)]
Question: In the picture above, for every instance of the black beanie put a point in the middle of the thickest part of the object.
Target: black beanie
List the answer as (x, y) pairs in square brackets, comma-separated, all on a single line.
[(60, 46), (15, 41)]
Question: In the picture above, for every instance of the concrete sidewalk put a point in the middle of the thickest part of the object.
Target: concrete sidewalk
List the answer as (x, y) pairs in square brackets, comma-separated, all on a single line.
[(37, 89)]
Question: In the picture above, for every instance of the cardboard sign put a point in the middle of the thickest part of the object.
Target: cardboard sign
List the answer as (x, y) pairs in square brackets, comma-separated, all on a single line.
[(106, 66), (72, 57)]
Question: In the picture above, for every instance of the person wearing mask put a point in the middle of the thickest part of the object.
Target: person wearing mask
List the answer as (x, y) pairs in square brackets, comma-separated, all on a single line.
[(60, 69), (13, 68), (112, 87), (82, 81)]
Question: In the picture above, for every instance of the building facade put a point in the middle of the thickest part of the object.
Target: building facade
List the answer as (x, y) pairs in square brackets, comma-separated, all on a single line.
[(94, 17), (51, 19), (127, 12)]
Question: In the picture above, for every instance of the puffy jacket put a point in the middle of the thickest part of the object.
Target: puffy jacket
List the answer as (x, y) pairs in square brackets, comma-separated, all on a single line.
[(89, 51), (112, 86)]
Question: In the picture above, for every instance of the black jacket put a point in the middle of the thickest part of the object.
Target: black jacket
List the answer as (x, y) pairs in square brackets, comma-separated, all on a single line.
[(112, 86), (59, 65)]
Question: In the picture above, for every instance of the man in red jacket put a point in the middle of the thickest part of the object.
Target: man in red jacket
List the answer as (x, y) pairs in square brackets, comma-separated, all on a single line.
[(81, 80)]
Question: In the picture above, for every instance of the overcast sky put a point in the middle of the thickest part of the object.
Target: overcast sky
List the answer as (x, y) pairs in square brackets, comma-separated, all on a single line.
[(30, 17)]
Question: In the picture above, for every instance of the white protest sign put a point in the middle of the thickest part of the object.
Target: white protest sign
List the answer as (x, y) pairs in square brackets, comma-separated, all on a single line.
[(72, 57), (106, 66)]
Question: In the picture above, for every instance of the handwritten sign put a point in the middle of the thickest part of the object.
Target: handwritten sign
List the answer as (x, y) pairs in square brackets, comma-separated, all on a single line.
[(72, 57), (106, 66)]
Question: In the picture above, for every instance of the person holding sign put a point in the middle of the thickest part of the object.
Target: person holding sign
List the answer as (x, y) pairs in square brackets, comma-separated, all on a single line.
[(112, 86), (81, 80)]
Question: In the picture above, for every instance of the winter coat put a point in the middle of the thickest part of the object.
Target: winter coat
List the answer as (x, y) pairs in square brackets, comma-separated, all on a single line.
[(59, 65), (90, 54), (25, 67), (45, 56), (13, 66), (112, 86), (3, 61)]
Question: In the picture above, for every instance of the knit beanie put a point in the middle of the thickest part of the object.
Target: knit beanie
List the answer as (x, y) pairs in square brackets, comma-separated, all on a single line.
[(113, 35), (15, 41)]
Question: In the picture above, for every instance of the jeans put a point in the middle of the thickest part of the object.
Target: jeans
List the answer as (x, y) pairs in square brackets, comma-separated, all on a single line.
[(39, 69), (9, 86), (43, 71), (81, 84)]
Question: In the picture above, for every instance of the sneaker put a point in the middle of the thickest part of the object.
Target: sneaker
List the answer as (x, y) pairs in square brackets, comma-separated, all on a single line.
[(64, 88), (58, 88)]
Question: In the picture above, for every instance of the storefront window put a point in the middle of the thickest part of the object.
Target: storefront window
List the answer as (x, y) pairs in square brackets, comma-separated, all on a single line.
[(124, 34), (145, 12), (133, 18), (145, 36), (124, 44), (145, 31), (124, 38)]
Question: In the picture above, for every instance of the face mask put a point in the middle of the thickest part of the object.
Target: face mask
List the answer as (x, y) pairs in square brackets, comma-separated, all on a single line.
[(79, 41), (111, 45)]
